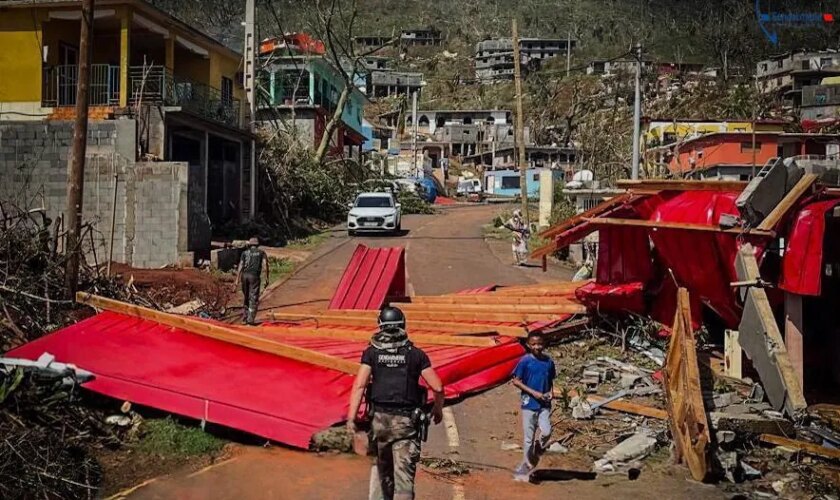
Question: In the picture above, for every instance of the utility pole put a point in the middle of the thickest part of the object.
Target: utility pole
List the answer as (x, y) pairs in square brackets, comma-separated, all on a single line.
[(520, 133), (250, 93), (754, 116), (414, 134), (637, 112), (568, 53), (76, 164)]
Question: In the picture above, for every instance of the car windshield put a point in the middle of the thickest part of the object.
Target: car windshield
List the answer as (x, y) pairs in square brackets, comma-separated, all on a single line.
[(374, 202)]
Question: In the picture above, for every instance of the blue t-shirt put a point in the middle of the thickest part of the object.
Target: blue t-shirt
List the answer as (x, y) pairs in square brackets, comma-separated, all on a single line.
[(538, 374)]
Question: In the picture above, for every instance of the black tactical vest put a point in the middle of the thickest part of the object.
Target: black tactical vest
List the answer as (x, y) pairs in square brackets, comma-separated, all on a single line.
[(396, 379)]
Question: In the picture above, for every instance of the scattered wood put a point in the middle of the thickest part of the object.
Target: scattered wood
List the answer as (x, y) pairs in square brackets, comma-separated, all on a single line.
[(750, 423), (449, 327), (810, 448), (221, 333), (581, 217), (682, 185), (345, 334), (562, 308), (630, 407), (684, 396), (685, 226), (494, 299), (784, 206)]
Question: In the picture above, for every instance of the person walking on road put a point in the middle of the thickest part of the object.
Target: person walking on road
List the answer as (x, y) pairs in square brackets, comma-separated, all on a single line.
[(390, 373), (251, 263), (534, 376), (521, 233)]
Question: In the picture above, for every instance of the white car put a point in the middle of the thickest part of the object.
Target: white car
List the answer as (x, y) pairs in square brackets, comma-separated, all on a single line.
[(374, 212)]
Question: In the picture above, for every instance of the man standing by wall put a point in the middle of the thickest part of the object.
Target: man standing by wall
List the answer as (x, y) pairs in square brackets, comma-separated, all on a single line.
[(393, 367), (251, 263)]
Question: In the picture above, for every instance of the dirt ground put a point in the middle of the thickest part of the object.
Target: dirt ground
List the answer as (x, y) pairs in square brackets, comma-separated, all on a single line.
[(445, 253)]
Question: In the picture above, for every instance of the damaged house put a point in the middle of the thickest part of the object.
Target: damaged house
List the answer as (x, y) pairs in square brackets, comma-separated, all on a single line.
[(166, 129)]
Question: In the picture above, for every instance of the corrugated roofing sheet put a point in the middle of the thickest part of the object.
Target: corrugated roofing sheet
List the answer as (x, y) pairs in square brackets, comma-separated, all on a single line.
[(372, 276), (273, 397)]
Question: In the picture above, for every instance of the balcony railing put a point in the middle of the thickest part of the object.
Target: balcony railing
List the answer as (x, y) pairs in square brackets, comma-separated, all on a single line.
[(157, 85), (59, 85)]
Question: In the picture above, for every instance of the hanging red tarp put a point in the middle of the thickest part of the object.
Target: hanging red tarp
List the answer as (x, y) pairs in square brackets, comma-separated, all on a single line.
[(270, 396), (623, 255), (372, 276), (802, 265)]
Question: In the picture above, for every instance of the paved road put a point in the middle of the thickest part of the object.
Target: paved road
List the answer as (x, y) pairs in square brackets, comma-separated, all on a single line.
[(445, 253)]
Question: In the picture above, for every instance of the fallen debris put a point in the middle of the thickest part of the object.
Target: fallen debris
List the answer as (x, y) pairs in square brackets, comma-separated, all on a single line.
[(635, 447), (683, 394), (809, 448)]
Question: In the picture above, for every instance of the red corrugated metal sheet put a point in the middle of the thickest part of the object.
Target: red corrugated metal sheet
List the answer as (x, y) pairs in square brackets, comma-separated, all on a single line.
[(273, 397), (372, 276), (802, 265)]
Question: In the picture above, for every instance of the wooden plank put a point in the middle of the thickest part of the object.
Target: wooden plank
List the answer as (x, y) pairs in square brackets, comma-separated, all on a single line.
[(686, 411), (567, 308), (605, 221), (580, 218), (451, 327), (784, 206), (733, 355), (630, 407), (344, 334), (682, 185), (559, 288), (220, 333), (511, 299), (810, 448), (794, 339)]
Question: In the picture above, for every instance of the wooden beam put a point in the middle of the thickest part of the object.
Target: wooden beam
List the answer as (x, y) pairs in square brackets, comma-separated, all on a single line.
[(567, 308), (784, 206), (683, 393), (810, 448), (344, 334), (220, 333), (559, 288), (581, 217), (630, 407), (794, 338), (685, 226), (451, 327), (682, 185), (510, 299)]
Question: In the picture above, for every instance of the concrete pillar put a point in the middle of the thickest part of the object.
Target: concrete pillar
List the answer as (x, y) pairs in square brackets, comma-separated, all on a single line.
[(546, 196), (125, 55), (794, 342)]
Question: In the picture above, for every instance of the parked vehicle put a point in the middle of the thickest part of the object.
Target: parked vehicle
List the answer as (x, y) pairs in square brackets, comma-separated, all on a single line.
[(374, 212)]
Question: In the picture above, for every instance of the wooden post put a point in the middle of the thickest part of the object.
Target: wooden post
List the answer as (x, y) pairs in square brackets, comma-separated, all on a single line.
[(76, 163), (732, 354), (520, 132), (793, 335), (125, 56)]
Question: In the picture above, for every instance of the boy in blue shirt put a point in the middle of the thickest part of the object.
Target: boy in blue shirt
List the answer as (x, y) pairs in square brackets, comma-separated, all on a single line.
[(534, 376)]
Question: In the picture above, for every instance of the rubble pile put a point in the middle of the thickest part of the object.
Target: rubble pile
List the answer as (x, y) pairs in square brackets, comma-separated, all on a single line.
[(594, 372)]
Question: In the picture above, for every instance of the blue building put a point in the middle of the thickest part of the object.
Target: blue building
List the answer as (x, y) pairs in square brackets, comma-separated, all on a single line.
[(508, 182)]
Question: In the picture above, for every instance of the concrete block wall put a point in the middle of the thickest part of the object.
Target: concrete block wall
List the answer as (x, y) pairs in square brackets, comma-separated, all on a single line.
[(151, 221), (160, 213)]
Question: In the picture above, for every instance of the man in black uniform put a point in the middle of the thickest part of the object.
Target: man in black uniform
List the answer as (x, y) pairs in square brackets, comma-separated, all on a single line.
[(251, 263), (393, 367)]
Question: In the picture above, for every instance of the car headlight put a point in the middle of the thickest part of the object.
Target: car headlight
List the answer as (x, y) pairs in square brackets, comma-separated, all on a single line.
[(390, 216), (352, 215)]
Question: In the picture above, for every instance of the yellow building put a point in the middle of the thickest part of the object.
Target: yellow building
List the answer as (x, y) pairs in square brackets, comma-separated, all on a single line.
[(136, 49), (162, 95)]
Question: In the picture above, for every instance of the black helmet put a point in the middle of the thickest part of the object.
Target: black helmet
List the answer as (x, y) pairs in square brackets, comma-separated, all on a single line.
[(391, 317)]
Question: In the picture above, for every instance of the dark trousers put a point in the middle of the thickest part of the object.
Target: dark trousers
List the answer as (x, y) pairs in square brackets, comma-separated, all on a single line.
[(251, 293)]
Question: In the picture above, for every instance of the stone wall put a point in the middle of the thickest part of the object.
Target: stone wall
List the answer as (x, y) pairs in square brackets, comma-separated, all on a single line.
[(151, 214)]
